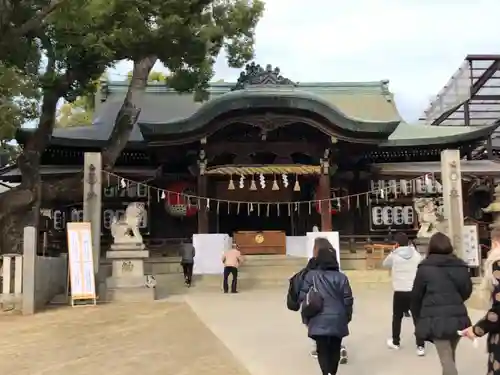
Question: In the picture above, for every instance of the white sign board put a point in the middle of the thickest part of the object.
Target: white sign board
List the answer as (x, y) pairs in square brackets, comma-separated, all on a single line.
[(470, 243), (333, 237), (81, 263), (209, 250)]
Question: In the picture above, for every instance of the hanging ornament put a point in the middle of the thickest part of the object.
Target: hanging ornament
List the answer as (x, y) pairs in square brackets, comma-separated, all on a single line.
[(428, 183), (296, 186), (339, 204), (275, 184), (284, 176), (297, 206), (382, 193), (163, 196), (242, 182), (262, 181), (208, 204), (231, 183), (253, 186), (123, 183), (404, 187)]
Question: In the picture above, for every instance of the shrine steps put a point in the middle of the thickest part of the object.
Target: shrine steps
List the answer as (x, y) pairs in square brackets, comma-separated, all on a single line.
[(257, 272)]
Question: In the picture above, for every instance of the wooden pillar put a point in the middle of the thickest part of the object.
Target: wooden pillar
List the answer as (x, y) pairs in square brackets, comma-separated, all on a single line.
[(202, 192), (92, 201), (324, 193)]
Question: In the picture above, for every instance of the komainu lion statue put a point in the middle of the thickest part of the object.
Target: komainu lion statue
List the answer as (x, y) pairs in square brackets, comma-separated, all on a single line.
[(428, 217), (126, 228)]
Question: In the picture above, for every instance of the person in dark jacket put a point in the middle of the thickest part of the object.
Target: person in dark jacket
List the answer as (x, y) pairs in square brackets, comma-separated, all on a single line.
[(441, 287), (344, 358), (329, 326), (187, 261)]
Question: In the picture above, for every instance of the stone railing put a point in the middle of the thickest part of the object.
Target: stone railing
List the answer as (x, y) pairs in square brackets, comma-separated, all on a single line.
[(51, 278), (11, 278)]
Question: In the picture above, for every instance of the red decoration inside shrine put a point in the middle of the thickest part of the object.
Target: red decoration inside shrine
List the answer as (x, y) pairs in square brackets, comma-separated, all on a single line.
[(333, 204), (180, 200)]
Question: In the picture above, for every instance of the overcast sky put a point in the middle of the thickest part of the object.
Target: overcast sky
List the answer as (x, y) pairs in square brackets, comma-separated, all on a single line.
[(416, 44)]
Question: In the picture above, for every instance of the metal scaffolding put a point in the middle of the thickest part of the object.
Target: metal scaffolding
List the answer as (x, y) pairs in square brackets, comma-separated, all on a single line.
[(471, 97)]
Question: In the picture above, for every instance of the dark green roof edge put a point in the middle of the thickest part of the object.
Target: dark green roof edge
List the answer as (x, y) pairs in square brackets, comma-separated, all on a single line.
[(481, 132), (271, 98), (23, 134)]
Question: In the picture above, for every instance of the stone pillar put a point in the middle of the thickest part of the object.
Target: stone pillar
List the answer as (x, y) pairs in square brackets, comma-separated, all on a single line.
[(30, 241), (451, 177), (202, 192), (324, 193), (92, 201)]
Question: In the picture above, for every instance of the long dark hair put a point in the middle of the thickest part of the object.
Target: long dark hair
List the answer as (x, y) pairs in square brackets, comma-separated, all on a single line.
[(326, 257)]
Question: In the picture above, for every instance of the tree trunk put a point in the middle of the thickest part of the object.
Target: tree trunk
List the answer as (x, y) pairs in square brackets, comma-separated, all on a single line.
[(129, 112), (71, 189), (16, 204)]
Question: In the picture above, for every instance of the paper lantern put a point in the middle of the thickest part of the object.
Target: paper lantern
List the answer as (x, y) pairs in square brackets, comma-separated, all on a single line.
[(179, 200)]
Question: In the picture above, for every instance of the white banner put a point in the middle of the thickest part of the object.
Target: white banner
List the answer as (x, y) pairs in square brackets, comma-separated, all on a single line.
[(472, 253), (81, 264), (209, 249)]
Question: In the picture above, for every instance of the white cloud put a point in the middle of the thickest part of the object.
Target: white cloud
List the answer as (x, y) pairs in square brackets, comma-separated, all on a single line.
[(416, 44)]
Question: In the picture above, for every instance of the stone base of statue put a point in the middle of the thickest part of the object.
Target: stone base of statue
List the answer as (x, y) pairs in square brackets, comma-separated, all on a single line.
[(128, 282), (422, 244)]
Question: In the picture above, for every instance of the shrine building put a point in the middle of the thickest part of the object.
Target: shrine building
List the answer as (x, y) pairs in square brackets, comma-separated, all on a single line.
[(261, 153)]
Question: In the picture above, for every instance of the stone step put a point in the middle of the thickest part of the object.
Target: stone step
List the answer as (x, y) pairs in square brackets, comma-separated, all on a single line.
[(167, 265), (171, 284)]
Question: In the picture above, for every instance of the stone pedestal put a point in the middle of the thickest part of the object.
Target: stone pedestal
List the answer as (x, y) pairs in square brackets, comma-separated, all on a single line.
[(422, 244), (128, 282)]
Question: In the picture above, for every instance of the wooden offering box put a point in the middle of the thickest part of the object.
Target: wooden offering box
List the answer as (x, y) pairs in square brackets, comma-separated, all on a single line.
[(375, 255), (266, 242)]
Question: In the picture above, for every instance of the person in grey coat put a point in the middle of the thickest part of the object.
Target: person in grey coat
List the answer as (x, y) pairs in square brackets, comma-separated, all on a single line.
[(187, 261), (330, 325)]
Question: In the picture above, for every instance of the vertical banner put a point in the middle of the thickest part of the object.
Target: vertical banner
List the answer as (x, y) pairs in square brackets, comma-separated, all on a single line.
[(81, 263)]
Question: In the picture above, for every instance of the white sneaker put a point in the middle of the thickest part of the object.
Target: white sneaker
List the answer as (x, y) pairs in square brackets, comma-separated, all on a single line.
[(420, 351), (391, 345)]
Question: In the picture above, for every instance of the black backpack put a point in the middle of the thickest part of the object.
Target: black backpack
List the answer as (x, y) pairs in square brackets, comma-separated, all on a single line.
[(292, 298)]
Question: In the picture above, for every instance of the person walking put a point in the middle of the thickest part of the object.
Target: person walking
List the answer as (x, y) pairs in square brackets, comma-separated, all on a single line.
[(188, 253), (328, 325), (231, 260), (490, 323), (441, 287), (403, 262)]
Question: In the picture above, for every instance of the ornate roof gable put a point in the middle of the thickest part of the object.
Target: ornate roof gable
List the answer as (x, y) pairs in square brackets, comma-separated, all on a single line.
[(255, 75)]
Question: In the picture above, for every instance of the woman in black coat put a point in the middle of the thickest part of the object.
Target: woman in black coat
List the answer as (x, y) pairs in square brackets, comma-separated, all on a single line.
[(441, 287), (330, 325)]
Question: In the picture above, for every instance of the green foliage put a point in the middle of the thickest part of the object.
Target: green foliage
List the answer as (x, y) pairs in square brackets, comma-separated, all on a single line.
[(186, 36), (78, 113), (18, 100)]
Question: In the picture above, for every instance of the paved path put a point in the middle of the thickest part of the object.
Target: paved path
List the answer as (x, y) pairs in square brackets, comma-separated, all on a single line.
[(270, 340), (154, 339)]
